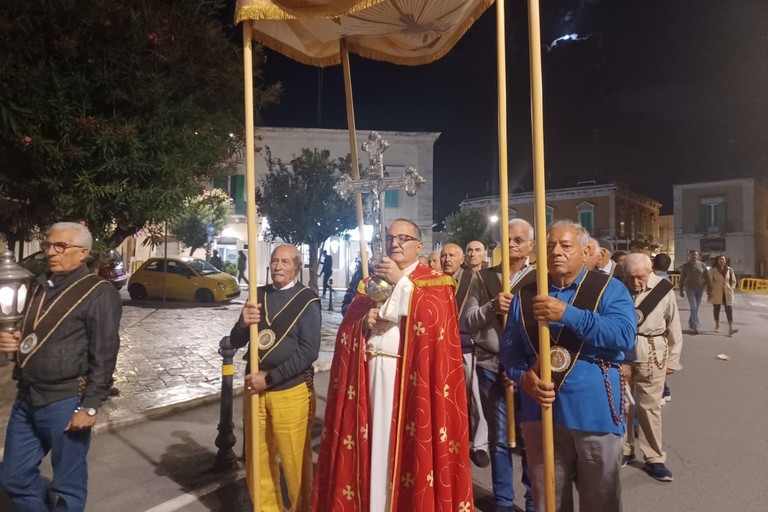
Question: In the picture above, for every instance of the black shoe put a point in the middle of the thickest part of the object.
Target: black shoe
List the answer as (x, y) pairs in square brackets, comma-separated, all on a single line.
[(658, 471), (480, 458), (627, 460), (504, 508)]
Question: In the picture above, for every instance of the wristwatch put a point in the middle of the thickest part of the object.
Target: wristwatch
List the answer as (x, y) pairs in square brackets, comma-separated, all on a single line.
[(268, 379), (90, 411)]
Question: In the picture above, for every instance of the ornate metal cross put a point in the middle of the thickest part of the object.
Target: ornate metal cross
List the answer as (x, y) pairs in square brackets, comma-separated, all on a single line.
[(376, 182)]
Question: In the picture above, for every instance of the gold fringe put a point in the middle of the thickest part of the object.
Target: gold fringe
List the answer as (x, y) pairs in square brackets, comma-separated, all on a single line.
[(444, 280), (269, 11)]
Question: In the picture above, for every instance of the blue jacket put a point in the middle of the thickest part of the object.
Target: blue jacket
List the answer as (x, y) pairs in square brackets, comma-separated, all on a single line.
[(582, 400)]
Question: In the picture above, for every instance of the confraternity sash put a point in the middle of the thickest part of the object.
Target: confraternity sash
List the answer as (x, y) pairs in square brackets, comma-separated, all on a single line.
[(274, 328), (39, 325), (491, 279), (566, 347), (463, 288), (652, 300)]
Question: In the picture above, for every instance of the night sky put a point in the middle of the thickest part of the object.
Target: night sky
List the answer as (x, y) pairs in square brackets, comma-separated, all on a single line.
[(651, 93)]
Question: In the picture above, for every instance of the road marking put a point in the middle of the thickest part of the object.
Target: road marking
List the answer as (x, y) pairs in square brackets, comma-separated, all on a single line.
[(758, 304), (188, 498)]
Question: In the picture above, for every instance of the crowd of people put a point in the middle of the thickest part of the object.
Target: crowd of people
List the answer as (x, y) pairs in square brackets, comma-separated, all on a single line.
[(443, 372)]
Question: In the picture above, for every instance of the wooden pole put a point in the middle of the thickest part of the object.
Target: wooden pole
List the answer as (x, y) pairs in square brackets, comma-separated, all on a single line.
[(540, 205), (501, 77), (252, 458), (353, 152)]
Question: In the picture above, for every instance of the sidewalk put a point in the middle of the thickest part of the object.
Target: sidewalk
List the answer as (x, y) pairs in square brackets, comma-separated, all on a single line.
[(169, 360)]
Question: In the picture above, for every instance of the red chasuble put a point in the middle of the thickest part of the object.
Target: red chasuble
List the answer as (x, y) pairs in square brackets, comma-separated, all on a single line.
[(429, 449)]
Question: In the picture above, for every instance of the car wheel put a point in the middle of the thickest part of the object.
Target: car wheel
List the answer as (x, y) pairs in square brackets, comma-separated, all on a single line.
[(204, 295), (137, 292)]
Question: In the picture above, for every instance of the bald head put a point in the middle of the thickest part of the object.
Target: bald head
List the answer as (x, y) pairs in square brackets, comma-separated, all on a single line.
[(475, 255), (451, 258)]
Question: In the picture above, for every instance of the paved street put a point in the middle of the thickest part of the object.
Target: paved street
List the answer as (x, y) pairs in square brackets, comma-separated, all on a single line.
[(715, 426)]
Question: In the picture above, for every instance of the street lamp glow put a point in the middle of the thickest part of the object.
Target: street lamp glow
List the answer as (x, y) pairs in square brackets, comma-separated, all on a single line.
[(494, 219)]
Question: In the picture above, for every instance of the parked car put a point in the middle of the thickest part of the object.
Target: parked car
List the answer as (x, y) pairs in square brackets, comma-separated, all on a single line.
[(185, 279), (111, 267)]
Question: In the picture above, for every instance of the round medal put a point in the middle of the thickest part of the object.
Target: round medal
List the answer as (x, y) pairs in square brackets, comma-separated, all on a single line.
[(28, 344), (640, 316), (559, 358), (267, 338)]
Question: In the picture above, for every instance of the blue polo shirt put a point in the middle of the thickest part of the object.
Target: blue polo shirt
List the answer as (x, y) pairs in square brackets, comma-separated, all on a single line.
[(609, 332)]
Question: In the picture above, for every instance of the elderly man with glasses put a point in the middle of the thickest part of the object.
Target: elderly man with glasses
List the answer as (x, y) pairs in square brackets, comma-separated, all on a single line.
[(396, 431), (65, 355)]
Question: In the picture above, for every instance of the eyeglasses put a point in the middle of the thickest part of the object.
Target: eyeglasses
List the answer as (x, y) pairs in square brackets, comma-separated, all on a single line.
[(401, 239), (59, 247), (518, 241)]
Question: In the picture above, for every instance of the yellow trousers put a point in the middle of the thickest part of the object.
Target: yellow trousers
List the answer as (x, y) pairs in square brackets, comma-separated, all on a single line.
[(285, 422)]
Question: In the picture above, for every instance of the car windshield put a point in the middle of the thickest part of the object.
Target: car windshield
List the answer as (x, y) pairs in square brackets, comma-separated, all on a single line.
[(202, 267)]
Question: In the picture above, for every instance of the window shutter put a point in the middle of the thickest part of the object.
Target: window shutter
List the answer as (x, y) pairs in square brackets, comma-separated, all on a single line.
[(237, 193), (722, 217), (220, 182), (701, 226)]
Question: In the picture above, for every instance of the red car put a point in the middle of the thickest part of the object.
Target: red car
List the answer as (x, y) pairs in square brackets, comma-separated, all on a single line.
[(112, 267)]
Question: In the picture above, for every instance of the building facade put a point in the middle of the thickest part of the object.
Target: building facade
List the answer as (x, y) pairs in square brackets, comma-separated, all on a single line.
[(406, 149), (611, 211), (727, 217)]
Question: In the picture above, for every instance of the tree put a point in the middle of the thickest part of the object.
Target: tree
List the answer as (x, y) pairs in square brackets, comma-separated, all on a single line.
[(466, 225), (114, 112), (191, 226), (300, 203)]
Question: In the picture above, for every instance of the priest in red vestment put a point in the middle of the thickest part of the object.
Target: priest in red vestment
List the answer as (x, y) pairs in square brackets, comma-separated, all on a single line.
[(396, 433)]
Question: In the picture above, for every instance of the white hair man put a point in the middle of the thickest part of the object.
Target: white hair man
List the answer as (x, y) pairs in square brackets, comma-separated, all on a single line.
[(594, 254), (288, 344), (64, 371), (656, 355), (593, 324), (452, 260), (483, 317)]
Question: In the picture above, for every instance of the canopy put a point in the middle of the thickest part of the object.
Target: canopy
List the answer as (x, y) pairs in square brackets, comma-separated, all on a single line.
[(406, 32)]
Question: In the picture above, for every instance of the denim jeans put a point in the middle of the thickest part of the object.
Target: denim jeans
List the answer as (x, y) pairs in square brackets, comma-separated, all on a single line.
[(32, 433), (495, 410), (694, 299)]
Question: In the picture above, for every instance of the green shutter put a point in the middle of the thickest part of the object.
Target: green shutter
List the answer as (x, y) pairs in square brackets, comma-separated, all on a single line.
[(237, 193), (722, 217), (701, 226), (391, 198)]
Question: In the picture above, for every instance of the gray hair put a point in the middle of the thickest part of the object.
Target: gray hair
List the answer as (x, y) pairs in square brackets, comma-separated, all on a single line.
[(581, 233), (82, 236), (525, 224), (594, 244), (637, 260)]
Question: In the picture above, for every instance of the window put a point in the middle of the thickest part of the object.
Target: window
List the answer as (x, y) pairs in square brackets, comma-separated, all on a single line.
[(713, 217), (392, 198), (586, 216), (550, 214)]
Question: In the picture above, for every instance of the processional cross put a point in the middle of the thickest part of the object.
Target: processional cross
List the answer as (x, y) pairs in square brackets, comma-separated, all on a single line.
[(375, 183)]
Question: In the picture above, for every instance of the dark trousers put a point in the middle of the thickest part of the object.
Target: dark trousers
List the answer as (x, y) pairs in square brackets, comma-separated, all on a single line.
[(241, 276), (32, 433), (728, 313), (326, 278)]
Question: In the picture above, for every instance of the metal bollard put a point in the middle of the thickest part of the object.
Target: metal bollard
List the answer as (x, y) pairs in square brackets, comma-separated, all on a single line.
[(226, 460), (330, 294)]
